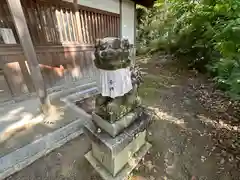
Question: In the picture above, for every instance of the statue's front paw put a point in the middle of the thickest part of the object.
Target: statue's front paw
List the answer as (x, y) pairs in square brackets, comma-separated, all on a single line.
[(138, 101), (112, 108)]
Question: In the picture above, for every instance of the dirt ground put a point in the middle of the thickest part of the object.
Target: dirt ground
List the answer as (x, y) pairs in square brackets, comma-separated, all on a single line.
[(187, 135)]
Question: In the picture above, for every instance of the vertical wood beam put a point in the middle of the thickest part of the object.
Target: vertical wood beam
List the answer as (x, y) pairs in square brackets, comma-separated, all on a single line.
[(135, 23), (135, 34), (120, 27), (79, 27), (78, 22), (28, 49)]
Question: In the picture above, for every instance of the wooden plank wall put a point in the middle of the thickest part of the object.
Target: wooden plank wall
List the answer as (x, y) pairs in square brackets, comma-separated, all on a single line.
[(63, 37), (63, 23), (59, 64), (65, 64)]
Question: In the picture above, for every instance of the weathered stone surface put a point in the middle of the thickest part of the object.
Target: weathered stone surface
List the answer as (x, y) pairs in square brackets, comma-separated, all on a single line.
[(113, 110), (127, 169), (115, 163), (117, 99), (19, 159), (115, 145), (115, 128), (112, 54)]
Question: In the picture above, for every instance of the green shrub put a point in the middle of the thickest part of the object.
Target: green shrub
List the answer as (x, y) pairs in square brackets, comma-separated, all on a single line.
[(205, 32)]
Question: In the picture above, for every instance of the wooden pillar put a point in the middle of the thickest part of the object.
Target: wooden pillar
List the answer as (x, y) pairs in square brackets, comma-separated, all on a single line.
[(28, 49), (135, 34), (120, 9)]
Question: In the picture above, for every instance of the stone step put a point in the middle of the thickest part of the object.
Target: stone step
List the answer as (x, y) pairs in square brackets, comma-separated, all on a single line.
[(76, 118), (19, 159)]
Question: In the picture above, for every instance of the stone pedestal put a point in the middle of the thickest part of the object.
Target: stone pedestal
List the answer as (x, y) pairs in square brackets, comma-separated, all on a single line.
[(115, 157), (116, 127), (118, 132)]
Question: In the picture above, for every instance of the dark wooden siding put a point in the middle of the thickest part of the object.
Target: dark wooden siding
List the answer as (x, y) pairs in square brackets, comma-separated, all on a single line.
[(62, 23)]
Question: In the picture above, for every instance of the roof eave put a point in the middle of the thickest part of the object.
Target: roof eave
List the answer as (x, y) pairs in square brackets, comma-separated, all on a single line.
[(146, 3)]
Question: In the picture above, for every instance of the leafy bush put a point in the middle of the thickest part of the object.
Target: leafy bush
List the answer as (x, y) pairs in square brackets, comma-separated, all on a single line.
[(206, 33)]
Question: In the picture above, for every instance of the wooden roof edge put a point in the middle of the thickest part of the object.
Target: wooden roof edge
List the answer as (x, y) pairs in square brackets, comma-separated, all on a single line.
[(146, 3)]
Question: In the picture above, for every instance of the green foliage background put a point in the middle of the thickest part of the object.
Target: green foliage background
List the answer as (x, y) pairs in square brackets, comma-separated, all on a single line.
[(203, 33)]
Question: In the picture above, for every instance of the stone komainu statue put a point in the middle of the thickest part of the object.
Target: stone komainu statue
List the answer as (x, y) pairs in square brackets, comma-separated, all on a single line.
[(119, 81)]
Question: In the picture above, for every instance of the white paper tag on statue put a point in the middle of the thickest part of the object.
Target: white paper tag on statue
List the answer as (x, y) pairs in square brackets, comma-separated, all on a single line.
[(115, 83)]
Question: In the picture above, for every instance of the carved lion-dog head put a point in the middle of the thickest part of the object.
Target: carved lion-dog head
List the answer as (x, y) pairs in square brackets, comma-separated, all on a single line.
[(112, 48)]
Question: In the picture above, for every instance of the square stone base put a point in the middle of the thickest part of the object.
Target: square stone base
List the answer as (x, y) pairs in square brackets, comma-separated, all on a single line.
[(114, 146), (114, 153), (126, 170), (117, 127), (114, 163)]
